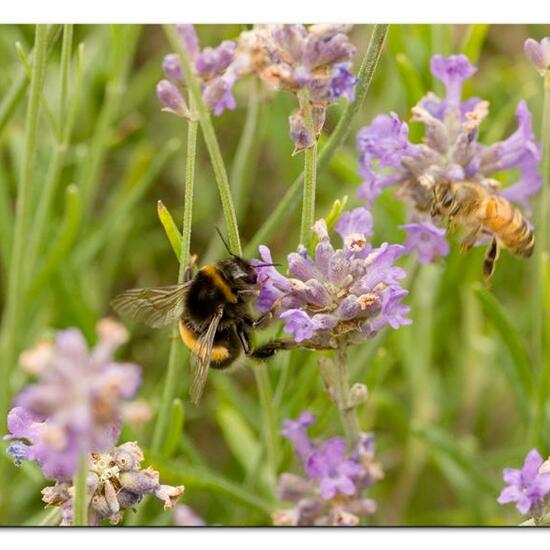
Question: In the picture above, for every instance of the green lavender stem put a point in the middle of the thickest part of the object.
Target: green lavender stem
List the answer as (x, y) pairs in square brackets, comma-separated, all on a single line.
[(209, 134), (80, 510), (348, 414), (365, 75), (310, 173), (541, 252), (212, 144), (173, 373), (15, 302)]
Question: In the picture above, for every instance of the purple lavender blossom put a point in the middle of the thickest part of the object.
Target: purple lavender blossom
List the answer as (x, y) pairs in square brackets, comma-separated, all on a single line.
[(427, 239), (333, 492), (76, 406), (538, 54), (171, 98), (315, 60), (450, 149), (351, 292), (329, 466), (216, 68), (528, 486), (296, 432)]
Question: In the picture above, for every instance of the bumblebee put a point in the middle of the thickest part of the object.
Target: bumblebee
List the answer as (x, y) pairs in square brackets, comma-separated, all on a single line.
[(212, 312), (471, 205)]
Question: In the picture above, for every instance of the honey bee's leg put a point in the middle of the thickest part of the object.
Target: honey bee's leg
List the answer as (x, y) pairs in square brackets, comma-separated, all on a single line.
[(470, 239), (491, 257), (260, 322)]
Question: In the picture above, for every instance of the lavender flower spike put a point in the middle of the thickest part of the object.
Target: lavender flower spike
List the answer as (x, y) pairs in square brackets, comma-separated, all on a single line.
[(528, 486), (334, 490), (76, 405), (346, 293), (450, 151), (538, 53)]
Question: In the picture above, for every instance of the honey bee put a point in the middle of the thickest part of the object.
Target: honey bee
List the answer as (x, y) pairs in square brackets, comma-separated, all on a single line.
[(211, 308), (468, 204)]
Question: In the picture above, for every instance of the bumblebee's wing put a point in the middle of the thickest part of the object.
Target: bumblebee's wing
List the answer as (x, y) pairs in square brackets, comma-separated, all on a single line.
[(200, 361), (154, 306)]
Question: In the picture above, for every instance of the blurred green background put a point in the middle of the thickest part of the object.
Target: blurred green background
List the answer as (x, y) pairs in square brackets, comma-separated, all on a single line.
[(451, 396)]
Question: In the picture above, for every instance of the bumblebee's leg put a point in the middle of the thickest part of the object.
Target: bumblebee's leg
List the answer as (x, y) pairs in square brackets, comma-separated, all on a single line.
[(269, 349), (491, 257), (260, 322), (244, 337), (470, 239), (188, 273)]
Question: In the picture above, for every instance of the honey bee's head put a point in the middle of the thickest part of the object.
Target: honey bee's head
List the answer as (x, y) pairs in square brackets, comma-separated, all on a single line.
[(443, 198)]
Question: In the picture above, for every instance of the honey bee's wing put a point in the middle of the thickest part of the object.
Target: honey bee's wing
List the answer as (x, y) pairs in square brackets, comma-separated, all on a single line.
[(155, 307), (200, 360)]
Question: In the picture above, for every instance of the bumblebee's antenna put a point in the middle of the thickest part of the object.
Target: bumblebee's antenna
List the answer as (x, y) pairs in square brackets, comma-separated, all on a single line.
[(224, 241)]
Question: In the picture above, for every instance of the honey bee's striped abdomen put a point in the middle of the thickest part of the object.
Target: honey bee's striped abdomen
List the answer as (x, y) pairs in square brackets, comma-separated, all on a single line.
[(509, 226)]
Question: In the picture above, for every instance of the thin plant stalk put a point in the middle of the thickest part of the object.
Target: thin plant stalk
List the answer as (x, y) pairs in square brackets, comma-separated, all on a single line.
[(348, 413), (542, 251), (212, 144), (80, 509), (174, 366), (224, 190), (310, 173), (15, 302), (365, 75)]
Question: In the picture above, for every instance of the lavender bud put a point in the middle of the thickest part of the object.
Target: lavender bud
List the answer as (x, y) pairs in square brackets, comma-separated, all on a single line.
[(139, 482), (171, 67), (172, 99), (127, 499), (189, 39), (300, 135), (318, 114), (538, 53), (358, 395)]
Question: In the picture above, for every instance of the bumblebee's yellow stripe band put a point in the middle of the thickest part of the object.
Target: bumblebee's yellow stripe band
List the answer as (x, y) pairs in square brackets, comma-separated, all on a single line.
[(217, 279), (218, 353)]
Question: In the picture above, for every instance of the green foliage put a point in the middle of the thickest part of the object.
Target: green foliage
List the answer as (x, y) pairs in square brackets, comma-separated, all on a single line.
[(453, 398)]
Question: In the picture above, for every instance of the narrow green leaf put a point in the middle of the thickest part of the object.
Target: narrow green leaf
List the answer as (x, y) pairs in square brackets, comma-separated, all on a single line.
[(175, 428), (239, 437), (172, 231), (473, 41), (63, 243), (522, 371), (410, 76), (466, 460)]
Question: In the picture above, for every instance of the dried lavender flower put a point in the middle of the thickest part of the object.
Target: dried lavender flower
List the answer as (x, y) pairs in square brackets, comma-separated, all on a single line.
[(347, 293), (116, 483), (333, 492), (450, 151), (75, 407)]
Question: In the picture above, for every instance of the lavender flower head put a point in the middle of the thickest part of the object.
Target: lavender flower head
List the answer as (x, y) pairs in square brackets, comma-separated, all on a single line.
[(76, 405), (538, 54), (216, 68), (348, 293), (315, 61), (333, 492), (116, 482), (450, 150), (527, 487)]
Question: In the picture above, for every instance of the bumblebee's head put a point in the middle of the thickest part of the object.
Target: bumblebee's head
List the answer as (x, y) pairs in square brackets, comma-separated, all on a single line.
[(239, 273)]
